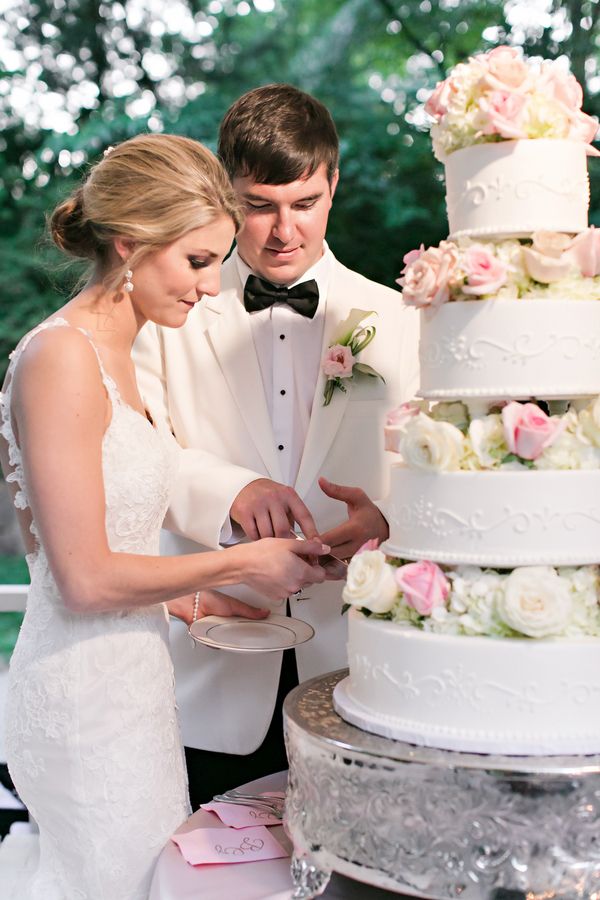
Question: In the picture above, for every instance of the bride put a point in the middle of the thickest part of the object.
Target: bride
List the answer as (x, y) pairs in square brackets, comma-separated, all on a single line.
[(92, 737)]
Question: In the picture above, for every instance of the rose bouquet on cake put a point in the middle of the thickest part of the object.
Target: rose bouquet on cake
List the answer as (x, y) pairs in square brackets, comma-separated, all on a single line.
[(528, 601), (458, 436), (547, 265), (500, 96)]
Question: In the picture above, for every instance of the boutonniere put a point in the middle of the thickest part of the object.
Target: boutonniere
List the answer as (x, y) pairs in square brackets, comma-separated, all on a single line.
[(340, 364)]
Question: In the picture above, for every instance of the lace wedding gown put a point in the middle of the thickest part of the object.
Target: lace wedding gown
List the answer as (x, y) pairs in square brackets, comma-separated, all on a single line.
[(92, 737)]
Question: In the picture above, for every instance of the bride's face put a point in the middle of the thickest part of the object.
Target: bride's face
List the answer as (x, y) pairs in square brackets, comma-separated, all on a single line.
[(169, 282)]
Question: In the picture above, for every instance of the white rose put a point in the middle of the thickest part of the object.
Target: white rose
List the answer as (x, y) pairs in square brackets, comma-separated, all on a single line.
[(433, 446), (370, 582), (536, 601), (488, 441)]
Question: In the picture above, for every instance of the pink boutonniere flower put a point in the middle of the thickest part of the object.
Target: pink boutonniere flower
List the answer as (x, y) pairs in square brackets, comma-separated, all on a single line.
[(340, 363)]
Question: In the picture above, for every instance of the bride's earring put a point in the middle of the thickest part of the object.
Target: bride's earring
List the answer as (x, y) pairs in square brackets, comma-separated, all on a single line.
[(128, 286)]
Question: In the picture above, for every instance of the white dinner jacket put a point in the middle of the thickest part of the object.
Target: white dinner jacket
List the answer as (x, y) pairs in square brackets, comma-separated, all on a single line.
[(205, 380)]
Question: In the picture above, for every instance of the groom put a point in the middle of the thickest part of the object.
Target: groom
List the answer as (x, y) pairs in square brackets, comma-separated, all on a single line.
[(242, 387)]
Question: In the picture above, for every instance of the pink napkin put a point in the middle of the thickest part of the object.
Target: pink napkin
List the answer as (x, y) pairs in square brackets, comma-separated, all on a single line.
[(228, 845), (239, 816)]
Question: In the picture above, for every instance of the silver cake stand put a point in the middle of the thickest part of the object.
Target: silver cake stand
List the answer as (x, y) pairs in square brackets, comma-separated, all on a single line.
[(434, 823)]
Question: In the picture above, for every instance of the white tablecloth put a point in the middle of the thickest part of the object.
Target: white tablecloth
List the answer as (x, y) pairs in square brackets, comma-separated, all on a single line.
[(270, 879)]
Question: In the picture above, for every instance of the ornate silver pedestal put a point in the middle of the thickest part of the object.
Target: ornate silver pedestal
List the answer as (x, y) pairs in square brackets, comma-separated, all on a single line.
[(434, 823)]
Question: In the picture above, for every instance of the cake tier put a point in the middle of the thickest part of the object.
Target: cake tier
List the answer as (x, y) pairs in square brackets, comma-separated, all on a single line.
[(516, 349), (516, 187), (502, 519), (475, 694)]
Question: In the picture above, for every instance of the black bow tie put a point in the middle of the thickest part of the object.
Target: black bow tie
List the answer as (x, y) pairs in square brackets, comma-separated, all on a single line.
[(260, 294)]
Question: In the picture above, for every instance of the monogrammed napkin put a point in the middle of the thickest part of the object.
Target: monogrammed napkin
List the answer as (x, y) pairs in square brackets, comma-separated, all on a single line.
[(228, 845), (238, 816)]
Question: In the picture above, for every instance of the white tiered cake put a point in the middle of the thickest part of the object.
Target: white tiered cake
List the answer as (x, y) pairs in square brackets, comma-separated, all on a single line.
[(477, 626)]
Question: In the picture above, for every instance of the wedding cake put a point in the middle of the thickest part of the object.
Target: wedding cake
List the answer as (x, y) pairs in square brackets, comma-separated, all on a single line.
[(476, 627)]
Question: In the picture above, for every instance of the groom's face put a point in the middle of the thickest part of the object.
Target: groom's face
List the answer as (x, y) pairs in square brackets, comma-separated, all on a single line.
[(285, 224)]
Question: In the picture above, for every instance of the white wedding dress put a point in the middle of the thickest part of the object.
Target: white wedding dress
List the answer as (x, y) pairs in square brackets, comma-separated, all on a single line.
[(92, 736)]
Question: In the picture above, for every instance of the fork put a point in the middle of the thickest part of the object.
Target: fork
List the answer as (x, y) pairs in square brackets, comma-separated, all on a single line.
[(259, 803)]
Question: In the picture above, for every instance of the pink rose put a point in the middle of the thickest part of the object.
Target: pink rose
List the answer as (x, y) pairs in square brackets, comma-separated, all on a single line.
[(426, 281), (371, 544), (503, 113), (396, 421), (561, 86), (338, 362), (401, 415), (528, 430), (437, 105), (584, 128), (485, 274), (423, 585), (584, 252), (505, 68), (412, 256)]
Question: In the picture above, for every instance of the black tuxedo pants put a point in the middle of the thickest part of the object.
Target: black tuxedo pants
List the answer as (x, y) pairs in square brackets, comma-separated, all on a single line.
[(211, 773)]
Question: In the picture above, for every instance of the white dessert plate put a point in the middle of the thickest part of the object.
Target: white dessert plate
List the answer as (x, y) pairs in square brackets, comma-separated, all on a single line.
[(251, 635)]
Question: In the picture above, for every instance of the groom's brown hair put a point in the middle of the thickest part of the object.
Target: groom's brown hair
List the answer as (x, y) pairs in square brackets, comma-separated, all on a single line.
[(277, 134)]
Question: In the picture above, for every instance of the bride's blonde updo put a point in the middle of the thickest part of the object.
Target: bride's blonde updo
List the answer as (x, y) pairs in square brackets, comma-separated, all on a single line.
[(152, 189)]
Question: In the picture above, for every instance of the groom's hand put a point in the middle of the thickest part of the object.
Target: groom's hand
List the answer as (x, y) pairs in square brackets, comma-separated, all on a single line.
[(265, 508), (364, 521)]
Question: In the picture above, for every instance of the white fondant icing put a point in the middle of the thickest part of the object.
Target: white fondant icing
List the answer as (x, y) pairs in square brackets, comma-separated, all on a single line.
[(517, 187), (511, 349), (502, 518), (475, 694)]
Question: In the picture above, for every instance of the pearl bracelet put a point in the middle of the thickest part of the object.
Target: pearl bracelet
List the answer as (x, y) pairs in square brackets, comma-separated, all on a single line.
[(196, 603)]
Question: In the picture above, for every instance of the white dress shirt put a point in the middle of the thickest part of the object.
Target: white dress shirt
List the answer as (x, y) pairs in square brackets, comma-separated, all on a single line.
[(288, 347)]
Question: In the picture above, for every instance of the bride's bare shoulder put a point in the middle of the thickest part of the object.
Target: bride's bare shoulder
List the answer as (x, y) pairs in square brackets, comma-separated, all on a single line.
[(57, 358)]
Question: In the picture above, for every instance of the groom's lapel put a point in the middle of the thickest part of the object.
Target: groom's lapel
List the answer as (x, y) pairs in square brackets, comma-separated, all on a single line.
[(233, 346), (325, 421)]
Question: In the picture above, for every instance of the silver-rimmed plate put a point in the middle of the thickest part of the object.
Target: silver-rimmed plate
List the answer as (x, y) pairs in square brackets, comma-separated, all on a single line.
[(251, 635)]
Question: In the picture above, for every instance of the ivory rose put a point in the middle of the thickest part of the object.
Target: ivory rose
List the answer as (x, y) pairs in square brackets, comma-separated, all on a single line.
[(528, 430), (338, 362), (584, 252), (546, 260), (488, 441), (505, 68), (432, 446), (485, 274), (425, 282), (370, 582), (545, 269), (424, 586), (536, 601), (550, 243)]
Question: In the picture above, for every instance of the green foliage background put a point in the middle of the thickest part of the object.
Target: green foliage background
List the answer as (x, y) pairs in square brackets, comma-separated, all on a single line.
[(372, 62)]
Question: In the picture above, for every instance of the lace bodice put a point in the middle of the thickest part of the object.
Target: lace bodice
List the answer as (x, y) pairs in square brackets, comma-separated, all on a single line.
[(97, 689)]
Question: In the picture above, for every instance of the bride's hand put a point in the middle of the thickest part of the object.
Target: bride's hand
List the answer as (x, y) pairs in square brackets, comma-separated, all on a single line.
[(279, 567), (213, 603)]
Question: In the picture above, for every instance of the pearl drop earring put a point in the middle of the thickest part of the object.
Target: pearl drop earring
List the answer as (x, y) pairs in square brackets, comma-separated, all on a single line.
[(128, 286)]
